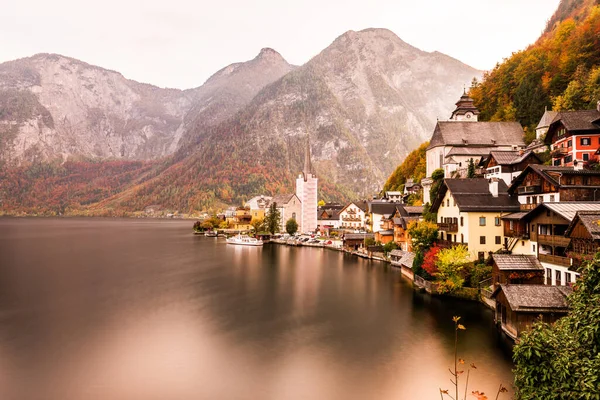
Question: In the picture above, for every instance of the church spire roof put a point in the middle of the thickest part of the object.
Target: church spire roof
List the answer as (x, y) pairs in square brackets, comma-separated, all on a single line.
[(307, 164), (464, 105)]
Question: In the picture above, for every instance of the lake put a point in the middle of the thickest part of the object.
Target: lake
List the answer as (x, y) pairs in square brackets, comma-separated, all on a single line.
[(143, 309)]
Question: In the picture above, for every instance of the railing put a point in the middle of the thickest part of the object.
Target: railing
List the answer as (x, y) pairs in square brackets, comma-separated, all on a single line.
[(554, 240), (531, 189), (485, 288), (448, 226), (349, 218), (560, 151), (556, 260), (448, 244), (527, 207), (516, 234)]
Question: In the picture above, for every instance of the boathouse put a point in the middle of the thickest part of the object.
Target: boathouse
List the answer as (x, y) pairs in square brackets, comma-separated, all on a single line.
[(517, 269)]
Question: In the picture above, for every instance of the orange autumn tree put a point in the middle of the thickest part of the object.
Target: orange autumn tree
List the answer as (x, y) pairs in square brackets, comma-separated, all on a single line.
[(430, 259)]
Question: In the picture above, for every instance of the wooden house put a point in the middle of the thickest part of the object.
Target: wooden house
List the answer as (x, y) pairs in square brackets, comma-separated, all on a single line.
[(403, 260), (517, 269), (547, 184), (355, 241), (507, 165), (519, 306), (584, 232)]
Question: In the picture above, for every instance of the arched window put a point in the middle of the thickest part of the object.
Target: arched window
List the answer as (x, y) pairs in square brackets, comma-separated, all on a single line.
[(294, 215)]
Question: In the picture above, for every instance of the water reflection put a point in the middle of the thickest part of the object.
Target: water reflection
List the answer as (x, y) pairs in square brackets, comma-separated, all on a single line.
[(96, 309)]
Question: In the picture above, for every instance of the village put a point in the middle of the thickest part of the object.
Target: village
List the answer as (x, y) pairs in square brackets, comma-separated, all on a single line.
[(513, 230)]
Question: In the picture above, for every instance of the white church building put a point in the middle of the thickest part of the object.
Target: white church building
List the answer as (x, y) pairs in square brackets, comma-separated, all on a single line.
[(306, 190)]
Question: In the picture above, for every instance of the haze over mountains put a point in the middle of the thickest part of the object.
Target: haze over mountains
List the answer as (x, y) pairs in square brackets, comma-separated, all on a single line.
[(365, 102)]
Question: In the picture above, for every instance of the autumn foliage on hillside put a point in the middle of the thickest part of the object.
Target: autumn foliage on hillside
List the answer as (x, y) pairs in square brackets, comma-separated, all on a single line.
[(412, 167), (561, 70)]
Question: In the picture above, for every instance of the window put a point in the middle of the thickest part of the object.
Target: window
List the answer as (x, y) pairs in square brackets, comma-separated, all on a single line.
[(585, 141), (511, 225), (462, 221), (462, 238), (533, 248), (586, 156), (481, 255), (551, 198), (541, 198), (498, 240), (557, 163), (294, 215), (586, 180), (481, 239), (481, 221), (448, 203), (557, 276), (569, 143), (528, 199), (568, 159), (568, 279), (497, 221)]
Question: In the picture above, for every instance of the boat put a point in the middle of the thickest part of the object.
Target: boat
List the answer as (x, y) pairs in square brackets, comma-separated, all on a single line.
[(210, 233), (244, 240)]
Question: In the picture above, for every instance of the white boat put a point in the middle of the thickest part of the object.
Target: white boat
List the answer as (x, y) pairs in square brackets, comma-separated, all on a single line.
[(211, 234), (244, 240)]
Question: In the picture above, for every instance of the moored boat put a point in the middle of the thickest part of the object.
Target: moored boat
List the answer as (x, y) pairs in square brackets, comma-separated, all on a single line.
[(244, 240), (210, 233)]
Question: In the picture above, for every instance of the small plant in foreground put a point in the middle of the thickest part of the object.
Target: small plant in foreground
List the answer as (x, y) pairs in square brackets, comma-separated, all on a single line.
[(456, 373)]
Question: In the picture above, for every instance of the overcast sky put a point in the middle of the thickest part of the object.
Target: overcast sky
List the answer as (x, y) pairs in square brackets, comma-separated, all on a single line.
[(180, 43)]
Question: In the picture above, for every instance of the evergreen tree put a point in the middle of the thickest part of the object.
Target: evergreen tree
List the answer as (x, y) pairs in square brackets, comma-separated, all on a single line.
[(471, 169), (273, 219), (291, 226)]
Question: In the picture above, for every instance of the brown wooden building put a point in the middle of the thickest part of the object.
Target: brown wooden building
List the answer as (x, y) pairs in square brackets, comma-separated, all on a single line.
[(403, 260), (519, 306), (354, 241), (584, 232), (517, 269)]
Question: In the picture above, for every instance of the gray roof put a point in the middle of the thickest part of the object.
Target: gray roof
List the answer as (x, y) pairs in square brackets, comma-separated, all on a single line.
[(590, 220), (403, 221), (551, 174), (477, 133), (469, 151), (397, 253), (547, 119), (517, 215), (357, 236), (332, 214), (474, 195), (568, 209), (511, 262), (386, 232), (414, 209), (382, 208), (282, 199), (407, 259), (510, 157), (535, 298), (582, 120)]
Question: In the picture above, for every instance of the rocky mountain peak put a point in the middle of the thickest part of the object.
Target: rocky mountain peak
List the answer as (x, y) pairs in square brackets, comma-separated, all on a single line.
[(268, 54)]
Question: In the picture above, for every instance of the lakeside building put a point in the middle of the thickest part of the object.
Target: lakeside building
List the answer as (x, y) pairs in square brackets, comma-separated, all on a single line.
[(461, 139), (353, 216), (306, 191), (519, 306), (289, 206), (508, 165), (469, 212), (517, 269), (377, 211), (328, 217), (541, 232), (574, 137), (258, 205)]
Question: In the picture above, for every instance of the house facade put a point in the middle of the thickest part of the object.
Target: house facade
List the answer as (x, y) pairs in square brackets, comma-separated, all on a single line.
[(507, 165), (517, 269), (353, 217), (289, 206), (470, 212), (584, 232), (574, 136)]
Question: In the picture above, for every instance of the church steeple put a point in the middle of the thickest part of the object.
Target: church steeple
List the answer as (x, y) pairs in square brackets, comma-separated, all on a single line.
[(465, 109), (307, 164)]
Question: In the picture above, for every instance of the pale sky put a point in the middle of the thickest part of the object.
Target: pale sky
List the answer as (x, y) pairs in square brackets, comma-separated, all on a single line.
[(180, 43)]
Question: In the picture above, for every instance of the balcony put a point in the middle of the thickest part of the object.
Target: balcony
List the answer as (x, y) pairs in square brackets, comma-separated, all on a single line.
[(516, 234), (559, 152), (556, 260), (448, 226), (554, 240), (351, 218), (528, 207), (446, 244), (531, 189)]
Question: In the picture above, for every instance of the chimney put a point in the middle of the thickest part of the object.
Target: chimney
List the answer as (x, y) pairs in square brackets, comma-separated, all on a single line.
[(494, 187)]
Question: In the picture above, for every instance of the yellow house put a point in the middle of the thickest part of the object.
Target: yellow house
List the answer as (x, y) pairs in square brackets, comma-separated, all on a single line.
[(469, 211)]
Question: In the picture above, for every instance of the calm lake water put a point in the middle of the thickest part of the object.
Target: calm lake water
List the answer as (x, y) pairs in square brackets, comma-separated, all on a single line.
[(130, 309)]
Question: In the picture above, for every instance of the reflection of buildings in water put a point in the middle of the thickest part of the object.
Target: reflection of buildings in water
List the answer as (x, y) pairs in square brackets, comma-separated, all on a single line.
[(307, 278), (247, 261)]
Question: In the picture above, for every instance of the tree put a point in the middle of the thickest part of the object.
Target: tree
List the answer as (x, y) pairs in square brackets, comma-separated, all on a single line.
[(451, 264), (258, 224), (388, 247), (471, 169), (291, 226), (562, 361), (273, 219), (429, 260), (423, 234), (321, 203), (438, 177)]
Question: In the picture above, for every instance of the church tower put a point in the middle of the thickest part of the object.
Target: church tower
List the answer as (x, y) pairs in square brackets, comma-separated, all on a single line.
[(306, 190), (465, 109)]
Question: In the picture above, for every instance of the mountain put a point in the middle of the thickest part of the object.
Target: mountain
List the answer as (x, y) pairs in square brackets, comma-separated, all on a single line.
[(55, 107), (561, 70), (365, 102)]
